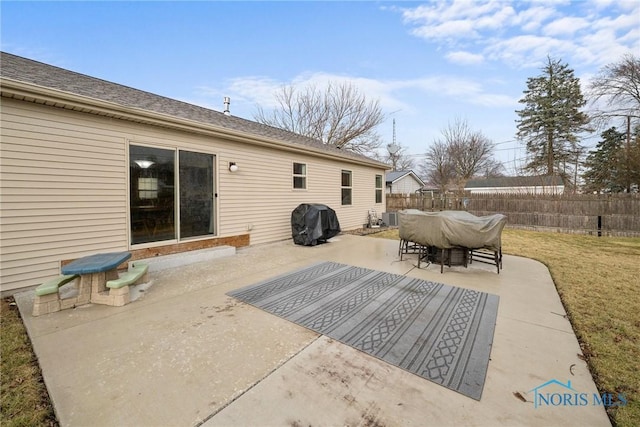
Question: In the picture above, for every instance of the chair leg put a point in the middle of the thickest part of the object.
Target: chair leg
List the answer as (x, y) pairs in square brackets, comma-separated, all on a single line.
[(403, 245)]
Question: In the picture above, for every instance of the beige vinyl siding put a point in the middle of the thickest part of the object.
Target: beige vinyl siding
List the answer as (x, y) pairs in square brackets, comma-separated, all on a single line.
[(64, 187), (261, 194), (62, 182)]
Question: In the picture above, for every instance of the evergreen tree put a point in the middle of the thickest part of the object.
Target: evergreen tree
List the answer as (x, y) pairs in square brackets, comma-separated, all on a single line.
[(551, 118), (605, 165), (615, 96)]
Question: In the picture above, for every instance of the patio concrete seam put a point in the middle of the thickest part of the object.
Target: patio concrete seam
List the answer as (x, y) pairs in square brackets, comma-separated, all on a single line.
[(571, 332), (267, 375)]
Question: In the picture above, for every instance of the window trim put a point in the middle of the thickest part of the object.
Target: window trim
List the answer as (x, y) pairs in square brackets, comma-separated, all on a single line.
[(295, 175), (346, 187), (176, 149), (378, 189)]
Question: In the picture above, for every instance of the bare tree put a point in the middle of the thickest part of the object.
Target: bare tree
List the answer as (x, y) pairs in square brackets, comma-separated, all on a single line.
[(469, 151), (398, 158), (438, 169), (615, 91), (403, 161), (493, 168), (615, 96), (339, 115)]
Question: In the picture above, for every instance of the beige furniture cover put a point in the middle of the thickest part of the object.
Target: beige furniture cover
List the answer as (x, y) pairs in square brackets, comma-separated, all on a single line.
[(449, 229)]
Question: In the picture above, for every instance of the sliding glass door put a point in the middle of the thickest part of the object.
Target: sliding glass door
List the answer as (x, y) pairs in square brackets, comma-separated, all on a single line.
[(196, 194), (171, 194)]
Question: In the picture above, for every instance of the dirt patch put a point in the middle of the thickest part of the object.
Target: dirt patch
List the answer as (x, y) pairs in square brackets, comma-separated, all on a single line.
[(367, 231)]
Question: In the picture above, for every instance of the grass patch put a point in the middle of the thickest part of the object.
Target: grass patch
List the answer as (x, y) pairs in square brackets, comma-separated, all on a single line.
[(598, 280), (25, 401)]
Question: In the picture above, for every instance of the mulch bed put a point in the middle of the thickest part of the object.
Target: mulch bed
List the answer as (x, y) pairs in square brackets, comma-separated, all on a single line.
[(366, 231)]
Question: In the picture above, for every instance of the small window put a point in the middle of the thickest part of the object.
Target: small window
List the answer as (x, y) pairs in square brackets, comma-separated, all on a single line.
[(378, 188), (346, 187), (300, 175), (148, 188)]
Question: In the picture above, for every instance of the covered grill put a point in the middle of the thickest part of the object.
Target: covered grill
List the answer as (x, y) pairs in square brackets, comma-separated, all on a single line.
[(313, 223)]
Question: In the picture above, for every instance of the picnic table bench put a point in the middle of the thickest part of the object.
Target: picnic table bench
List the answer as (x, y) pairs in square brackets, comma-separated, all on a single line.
[(97, 281)]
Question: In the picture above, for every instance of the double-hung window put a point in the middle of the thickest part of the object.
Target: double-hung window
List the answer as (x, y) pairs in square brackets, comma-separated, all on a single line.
[(299, 176), (346, 187), (378, 188)]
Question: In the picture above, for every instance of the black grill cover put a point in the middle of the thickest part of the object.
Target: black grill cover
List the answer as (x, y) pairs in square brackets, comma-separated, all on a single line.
[(312, 223)]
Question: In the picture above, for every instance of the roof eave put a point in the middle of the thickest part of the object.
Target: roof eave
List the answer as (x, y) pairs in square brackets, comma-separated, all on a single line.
[(409, 173), (62, 99)]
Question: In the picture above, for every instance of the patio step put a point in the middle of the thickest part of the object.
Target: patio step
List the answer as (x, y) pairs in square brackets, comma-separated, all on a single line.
[(164, 262)]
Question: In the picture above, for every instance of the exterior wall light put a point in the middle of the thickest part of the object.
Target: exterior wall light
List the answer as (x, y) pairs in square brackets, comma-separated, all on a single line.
[(233, 167)]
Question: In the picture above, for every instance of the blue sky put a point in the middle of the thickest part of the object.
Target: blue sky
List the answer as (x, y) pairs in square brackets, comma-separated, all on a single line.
[(427, 63)]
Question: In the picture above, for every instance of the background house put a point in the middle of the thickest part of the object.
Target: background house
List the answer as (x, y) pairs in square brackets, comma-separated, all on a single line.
[(403, 182), (91, 166), (543, 184)]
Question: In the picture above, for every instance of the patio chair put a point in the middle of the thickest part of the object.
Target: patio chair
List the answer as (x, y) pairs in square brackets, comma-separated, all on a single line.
[(487, 256), (407, 245)]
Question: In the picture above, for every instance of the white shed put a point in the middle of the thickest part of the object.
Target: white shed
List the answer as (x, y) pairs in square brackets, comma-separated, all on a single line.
[(403, 182)]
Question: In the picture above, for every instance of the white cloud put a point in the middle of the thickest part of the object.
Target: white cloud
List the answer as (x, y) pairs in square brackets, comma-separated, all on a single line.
[(450, 29), (520, 34), (459, 19), (501, 18), (565, 26), (527, 51), (244, 90), (602, 47), (248, 92), (620, 22), (465, 58), (494, 100), (601, 4), (529, 20)]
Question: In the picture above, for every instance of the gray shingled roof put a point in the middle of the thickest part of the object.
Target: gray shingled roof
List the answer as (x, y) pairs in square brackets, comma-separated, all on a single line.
[(516, 181), (37, 73)]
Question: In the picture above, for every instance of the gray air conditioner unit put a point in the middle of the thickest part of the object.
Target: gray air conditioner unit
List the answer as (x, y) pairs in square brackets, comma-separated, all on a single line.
[(390, 218)]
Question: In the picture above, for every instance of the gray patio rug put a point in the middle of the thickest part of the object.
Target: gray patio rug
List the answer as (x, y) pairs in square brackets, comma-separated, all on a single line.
[(439, 332)]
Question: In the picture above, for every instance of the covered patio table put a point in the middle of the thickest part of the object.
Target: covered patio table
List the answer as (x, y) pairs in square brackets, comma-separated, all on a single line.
[(95, 271), (449, 231)]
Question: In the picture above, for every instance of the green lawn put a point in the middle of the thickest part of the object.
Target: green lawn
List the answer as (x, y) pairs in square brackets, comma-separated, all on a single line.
[(598, 279)]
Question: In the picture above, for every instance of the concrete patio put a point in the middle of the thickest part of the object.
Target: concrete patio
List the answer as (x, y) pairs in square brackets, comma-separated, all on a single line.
[(185, 354)]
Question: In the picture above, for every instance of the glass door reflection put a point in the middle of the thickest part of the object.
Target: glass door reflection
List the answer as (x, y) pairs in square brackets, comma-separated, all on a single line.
[(196, 194), (152, 194)]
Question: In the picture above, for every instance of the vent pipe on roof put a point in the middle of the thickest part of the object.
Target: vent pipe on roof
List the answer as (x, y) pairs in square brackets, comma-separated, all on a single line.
[(227, 102)]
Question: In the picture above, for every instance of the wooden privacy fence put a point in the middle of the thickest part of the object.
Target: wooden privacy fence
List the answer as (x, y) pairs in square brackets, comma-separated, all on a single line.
[(606, 214)]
